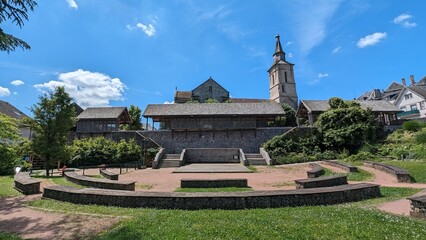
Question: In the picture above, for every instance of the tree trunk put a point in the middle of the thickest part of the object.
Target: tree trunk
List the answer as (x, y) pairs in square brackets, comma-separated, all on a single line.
[(47, 166)]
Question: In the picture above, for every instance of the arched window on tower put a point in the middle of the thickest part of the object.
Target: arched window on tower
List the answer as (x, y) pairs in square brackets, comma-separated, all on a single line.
[(282, 88), (273, 79), (285, 76)]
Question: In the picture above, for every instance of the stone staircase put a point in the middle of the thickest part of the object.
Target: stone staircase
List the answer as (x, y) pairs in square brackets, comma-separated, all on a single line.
[(170, 161), (255, 159)]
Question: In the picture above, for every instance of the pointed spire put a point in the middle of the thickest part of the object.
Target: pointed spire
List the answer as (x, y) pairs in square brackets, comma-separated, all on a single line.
[(279, 54)]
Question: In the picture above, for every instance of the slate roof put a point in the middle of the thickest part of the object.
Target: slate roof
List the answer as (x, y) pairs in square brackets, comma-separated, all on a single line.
[(421, 90), (248, 100), (183, 94), (394, 86), (213, 109), (102, 113), (422, 81), (11, 111), (376, 106)]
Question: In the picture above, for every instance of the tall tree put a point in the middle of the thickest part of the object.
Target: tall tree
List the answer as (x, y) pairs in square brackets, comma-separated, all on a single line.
[(9, 139), (135, 115), (17, 12), (53, 118)]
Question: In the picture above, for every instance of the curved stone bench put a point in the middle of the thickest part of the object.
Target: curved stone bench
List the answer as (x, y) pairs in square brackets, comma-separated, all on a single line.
[(344, 166), (99, 183), (401, 175), (213, 183), (25, 184), (215, 200), (418, 206), (108, 174), (316, 171), (320, 182)]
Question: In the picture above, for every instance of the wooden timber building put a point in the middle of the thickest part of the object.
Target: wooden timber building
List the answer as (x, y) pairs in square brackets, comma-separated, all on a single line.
[(102, 119)]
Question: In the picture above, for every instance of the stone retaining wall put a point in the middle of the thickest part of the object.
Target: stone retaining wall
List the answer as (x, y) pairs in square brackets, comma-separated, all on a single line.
[(99, 183), (418, 206), (212, 155), (215, 200), (344, 166), (316, 171), (320, 182), (213, 183), (25, 184), (108, 174), (401, 175)]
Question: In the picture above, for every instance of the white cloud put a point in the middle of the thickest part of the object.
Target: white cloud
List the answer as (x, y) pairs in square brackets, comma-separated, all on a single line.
[(322, 75), (89, 89), (289, 43), (72, 4), (336, 50), (290, 55), (130, 27), (167, 102), (17, 82), (4, 91), (148, 29), (370, 40), (404, 20)]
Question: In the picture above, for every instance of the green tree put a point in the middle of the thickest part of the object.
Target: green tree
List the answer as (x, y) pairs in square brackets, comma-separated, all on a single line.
[(53, 118), (135, 115), (346, 125), (9, 140), (17, 12), (93, 151), (288, 120)]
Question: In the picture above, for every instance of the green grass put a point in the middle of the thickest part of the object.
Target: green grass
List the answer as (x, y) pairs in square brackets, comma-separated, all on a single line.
[(417, 169), (345, 221), (9, 236), (6, 187), (95, 176), (58, 180), (139, 186), (253, 168), (361, 175), (225, 189)]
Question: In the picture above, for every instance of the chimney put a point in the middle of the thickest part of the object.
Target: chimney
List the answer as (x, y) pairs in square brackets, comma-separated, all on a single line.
[(412, 80), (403, 82)]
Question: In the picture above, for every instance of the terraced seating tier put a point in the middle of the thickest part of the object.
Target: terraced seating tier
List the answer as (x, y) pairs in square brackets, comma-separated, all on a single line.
[(418, 206), (344, 166), (319, 182), (215, 200), (108, 174), (25, 184), (316, 171), (213, 183), (99, 183), (401, 175)]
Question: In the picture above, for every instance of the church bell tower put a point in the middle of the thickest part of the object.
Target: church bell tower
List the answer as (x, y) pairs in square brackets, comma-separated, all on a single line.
[(282, 87)]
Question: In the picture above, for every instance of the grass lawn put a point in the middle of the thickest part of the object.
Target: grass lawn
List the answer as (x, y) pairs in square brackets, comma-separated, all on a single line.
[(58, 180), (225, 189), (361, 175), (9, 236), (6, 187), (417, 169), (345, 221)]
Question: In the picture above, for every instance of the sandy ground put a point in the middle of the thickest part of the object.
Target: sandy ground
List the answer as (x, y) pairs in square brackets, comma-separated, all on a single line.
[(32, 223)]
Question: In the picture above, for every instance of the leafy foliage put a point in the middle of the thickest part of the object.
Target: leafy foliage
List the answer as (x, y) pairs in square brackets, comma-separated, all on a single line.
[(53, 118), (100, 150), (17, 12), (9, 144), (135, 115), (289, 120), (346, 125), (211, 100), (412, 126)]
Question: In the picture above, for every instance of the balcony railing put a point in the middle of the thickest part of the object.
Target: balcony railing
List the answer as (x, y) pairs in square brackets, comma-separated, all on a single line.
[(408, 113)]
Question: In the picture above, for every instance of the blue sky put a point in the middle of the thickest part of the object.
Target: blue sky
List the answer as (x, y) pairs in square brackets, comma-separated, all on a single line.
[(118, 53)]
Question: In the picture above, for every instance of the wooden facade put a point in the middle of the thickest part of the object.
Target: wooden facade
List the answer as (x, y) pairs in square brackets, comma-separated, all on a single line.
[(99, 120)]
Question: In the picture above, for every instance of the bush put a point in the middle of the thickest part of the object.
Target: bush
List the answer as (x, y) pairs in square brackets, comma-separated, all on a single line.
[(8, 159), (295, 158), (329, 155), (150, 155), (362, 156), (128, 151), (412, 126), (421, 137)]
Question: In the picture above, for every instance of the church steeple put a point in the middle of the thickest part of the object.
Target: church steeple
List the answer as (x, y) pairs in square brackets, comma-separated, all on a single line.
[(279, 54)]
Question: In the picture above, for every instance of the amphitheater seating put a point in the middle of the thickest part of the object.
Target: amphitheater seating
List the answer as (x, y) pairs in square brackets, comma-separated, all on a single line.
[(213, 183), (401, 175), (108, 174), (344, 166), (215, 200), (25, 184), (99, 183), (418, 206), (316, 171), (319, 182)]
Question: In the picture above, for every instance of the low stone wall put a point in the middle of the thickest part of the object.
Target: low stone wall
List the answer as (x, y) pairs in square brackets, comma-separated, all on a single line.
[(320, 182), (249, 140), (212, 155), (344, 166), (213, 183), (25, 184), (418, 206), (401, 175), (99, 183), (215, 200), (108, 174), (316, 171)]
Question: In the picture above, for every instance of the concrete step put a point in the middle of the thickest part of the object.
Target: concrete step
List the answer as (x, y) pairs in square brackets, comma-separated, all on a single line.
[(253, 155), (256, 161), (171, 156), (169, 163)]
